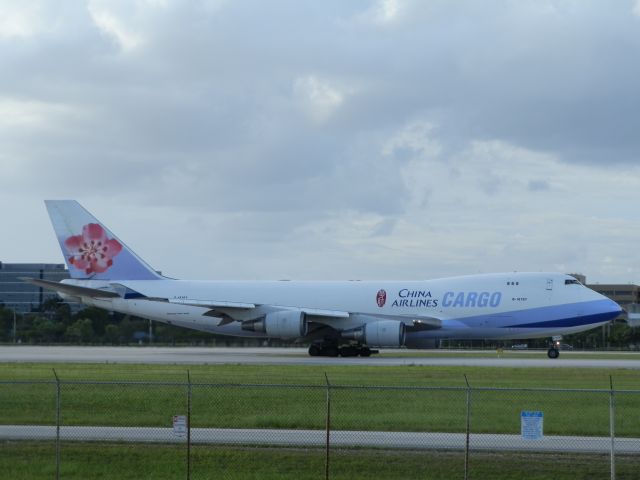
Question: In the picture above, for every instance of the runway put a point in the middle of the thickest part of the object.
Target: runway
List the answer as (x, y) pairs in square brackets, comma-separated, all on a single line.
[(298, 356), (317, 438)]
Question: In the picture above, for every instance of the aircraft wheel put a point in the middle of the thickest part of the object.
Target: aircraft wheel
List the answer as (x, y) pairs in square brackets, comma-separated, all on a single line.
[(553, 353), (314, 350), (331, 351), (349, 351), (365, 352)]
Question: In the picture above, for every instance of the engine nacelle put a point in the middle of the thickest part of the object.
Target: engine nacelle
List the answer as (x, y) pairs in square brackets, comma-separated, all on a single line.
[(385, 333), (280, 324)]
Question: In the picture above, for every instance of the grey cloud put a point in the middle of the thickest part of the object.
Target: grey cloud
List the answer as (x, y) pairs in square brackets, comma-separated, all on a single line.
[(385, 227), (538, 185), (490, 184)]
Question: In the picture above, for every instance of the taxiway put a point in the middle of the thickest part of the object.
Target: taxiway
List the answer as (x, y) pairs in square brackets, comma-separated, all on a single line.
[(317, 438), (296, 356)]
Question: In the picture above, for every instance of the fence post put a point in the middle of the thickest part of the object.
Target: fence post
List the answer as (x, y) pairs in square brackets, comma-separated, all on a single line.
[(328, 427), (468, 430), (188, 425), (612, 428), (57, 424)]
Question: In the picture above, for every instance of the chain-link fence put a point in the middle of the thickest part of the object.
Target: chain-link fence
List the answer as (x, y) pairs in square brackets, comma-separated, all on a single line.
[(88, 429)]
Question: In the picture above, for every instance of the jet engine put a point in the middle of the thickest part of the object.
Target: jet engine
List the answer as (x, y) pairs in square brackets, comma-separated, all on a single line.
[(280, 324), (385, 333)]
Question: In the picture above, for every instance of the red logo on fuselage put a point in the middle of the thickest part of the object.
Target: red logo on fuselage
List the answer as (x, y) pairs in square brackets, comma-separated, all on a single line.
[(381, 298)]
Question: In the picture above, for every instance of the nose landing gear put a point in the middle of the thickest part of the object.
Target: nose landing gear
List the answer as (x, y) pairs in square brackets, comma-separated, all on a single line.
[(554, 348)]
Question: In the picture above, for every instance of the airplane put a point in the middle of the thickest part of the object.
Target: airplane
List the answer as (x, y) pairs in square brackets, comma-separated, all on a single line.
[(347, 318)]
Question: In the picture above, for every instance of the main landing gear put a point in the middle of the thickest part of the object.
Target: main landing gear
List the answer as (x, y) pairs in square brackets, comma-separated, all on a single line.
[(333, 350)]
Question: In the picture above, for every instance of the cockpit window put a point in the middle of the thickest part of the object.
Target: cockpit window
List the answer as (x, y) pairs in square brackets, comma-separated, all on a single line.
[(571, 281)]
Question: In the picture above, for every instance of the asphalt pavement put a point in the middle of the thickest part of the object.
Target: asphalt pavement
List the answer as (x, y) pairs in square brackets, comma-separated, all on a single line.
[(294, 356), (317, 438)]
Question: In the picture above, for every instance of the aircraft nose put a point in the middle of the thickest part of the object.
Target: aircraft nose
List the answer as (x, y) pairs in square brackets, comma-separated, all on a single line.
[(612, 309), (606, 308)]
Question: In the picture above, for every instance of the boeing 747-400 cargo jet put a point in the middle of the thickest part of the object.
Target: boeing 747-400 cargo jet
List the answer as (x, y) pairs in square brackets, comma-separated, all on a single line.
[(335, 318)]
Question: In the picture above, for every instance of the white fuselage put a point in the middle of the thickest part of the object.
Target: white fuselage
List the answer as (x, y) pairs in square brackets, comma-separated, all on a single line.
[(494, 306)]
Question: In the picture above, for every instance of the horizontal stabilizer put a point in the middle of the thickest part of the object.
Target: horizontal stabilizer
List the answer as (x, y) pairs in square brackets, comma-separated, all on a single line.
[(71, 289)]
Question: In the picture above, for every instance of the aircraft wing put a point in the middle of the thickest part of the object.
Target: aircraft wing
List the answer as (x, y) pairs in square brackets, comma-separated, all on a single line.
[(411, 322), (225, 309), (321, 313), (73, 290), (215, 305), (212, 304), (425, 323)]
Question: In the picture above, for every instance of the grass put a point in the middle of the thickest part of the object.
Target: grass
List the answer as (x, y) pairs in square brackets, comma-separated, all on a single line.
[(409, 375), (22, 461), (237, 396)]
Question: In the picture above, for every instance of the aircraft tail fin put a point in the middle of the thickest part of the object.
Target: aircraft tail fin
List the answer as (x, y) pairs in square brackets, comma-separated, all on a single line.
[(89, 248)]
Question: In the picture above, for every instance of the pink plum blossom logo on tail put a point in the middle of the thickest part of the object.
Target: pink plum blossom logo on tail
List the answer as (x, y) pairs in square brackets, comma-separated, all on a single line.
[(92, 251)]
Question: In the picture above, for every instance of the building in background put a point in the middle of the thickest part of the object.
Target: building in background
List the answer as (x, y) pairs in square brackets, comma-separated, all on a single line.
[(23, 297)]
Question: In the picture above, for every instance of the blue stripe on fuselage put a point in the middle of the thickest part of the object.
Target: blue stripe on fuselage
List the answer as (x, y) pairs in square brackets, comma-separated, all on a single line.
[(567, 315)]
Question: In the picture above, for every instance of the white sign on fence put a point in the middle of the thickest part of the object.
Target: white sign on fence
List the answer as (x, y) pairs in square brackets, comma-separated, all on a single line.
[(531, 425), (180, 425)]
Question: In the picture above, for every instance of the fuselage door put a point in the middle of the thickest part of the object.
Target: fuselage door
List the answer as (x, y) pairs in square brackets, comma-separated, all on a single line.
[(549, 288)]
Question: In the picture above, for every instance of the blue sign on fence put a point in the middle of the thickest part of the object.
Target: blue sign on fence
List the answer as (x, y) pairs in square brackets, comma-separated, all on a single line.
[(531, 425)]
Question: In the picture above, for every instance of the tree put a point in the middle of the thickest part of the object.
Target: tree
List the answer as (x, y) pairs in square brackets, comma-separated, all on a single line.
[(80, 331), (6, 323), (46, 330), (112, 333), (98, 317)]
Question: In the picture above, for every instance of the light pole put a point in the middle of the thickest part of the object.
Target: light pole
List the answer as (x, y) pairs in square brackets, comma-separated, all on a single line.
[(14, 325)]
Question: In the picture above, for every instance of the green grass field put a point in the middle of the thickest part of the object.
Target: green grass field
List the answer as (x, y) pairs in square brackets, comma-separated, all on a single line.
[(410, 375), (242, 396), (239, 396), (33, 461)]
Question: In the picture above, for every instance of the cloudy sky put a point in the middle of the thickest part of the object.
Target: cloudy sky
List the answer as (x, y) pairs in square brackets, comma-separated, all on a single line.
[(393, 139)]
